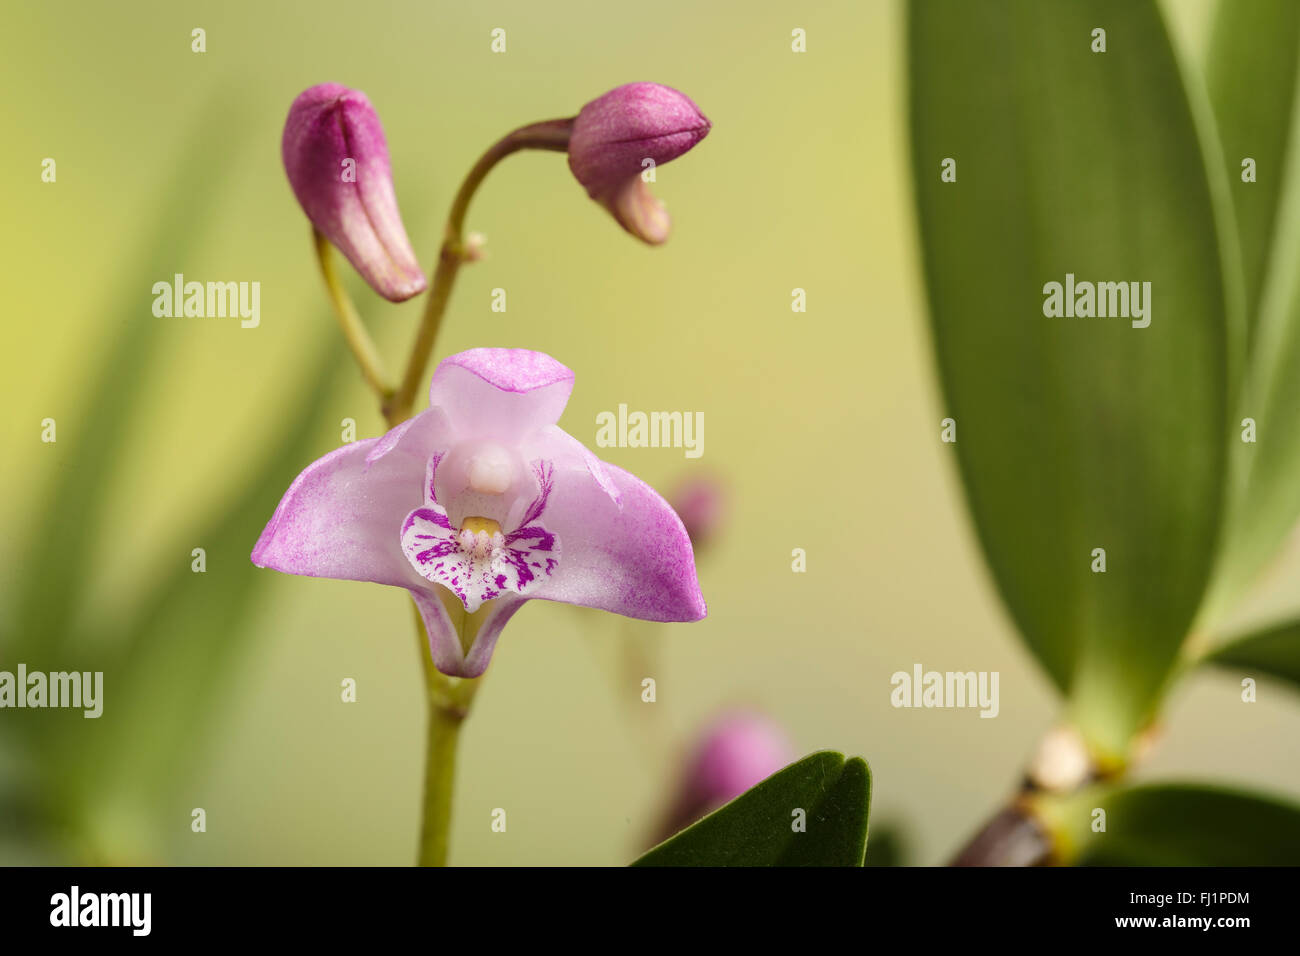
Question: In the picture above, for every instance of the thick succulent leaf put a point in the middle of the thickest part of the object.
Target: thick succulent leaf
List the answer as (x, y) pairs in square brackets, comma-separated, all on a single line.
[(829, 795), (1077, 434)]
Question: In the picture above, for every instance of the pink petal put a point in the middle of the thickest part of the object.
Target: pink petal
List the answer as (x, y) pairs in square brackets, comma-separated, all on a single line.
[(631, 556), (444, 642), (563, 444), (636, 209), (342, 517), (501, 394)]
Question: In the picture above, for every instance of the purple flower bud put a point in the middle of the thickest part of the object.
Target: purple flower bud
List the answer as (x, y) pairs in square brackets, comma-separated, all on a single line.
[(623, 134), (337, 160), (738, 751), (700, 503)]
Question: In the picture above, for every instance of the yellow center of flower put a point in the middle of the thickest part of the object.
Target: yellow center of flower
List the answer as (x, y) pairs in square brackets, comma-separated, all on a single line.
[(475, 524), (480, 538)]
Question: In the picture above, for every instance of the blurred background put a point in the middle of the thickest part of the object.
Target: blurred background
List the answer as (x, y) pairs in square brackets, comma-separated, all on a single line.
[(222, 689)]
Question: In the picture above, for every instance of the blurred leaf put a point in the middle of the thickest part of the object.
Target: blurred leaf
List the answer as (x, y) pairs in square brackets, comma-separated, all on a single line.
[(756, 829), (1176, 825), (889, 846), (1274, 651), (45, 605), (179, 648), (1253, 79), (1077, 433)]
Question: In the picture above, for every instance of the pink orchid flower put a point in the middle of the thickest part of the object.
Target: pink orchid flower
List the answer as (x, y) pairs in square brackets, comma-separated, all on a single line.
[(481, 503)]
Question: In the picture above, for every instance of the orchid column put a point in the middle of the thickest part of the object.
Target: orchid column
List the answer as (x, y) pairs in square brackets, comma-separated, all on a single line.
[(481, 502)]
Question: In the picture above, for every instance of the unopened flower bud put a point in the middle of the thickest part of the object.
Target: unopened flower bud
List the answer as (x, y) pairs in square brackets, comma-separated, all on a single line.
[(700, 503), (336, 156), (620, 135), (738, 751)]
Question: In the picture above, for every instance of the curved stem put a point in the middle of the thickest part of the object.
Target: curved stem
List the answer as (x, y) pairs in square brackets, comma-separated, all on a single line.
[(449, 698), (549, 135), (359, 341)]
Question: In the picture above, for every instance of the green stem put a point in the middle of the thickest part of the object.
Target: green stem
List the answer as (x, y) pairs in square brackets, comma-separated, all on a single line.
[(359, 341), (449, 700), (549, 135), (439, 782)]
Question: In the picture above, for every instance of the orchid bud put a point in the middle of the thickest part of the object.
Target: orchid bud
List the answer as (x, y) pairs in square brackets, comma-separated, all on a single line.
[(738, 751), (337, 159), (700, 503), (618, 137)]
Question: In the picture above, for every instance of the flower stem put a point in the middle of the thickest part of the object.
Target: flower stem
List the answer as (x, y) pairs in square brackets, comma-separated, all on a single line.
[(359, 341), (1013, 837), (439, 781), (449, 700), (549, 135)]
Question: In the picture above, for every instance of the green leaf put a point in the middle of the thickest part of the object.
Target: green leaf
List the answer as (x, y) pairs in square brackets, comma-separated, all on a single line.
[(1175, 825), (890, 846), (1274, 651), (1253, 76), (757, 828), (45, 605), (1250, 74), (179, 647), (1078, 433)]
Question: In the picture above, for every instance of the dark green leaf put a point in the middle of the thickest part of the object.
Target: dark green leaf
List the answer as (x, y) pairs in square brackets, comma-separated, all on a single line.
[(758, 827), (1078, 433), (1274, 651)]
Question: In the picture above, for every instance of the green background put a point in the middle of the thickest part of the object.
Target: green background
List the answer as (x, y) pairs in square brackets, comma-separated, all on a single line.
[(824, 425)]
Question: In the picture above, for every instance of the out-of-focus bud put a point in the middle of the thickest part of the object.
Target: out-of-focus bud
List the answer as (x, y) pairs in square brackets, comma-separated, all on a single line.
[(620, 138), (701, 504), (738, 751), (336, 156)]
